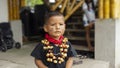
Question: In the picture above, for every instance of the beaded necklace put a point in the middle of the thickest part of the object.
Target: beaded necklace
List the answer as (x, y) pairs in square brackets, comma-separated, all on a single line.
[(59, 57)]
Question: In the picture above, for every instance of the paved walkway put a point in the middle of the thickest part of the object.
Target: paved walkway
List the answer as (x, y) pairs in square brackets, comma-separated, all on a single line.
[(20, 58), (17, 58)]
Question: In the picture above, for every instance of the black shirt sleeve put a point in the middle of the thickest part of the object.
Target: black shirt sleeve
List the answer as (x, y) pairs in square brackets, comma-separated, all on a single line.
[(38, 51), (71, 51)]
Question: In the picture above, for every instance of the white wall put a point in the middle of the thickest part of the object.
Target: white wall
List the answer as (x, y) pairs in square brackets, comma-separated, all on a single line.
[(107, 41), (3, 11), (16, 26)]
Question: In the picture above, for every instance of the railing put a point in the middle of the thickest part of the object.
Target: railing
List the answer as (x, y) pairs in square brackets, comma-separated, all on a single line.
[(70, 5)]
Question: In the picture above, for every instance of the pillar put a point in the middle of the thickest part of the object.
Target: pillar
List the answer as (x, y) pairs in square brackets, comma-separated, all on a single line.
[(107, 41)]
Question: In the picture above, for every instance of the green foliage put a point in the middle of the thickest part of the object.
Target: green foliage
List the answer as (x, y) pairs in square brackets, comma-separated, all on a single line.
[(32, 3)]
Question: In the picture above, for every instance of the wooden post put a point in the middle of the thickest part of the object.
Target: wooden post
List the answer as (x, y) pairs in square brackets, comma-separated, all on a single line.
[(13, 9), (22, 3), (106, 9), (17, 10), (10, 9), (112, 13), (117, 8), (100, 9)]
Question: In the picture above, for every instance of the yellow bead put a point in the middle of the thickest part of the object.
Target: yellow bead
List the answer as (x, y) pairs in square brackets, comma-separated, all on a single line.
[(67, 46), (45, 47), (47, 54), (60, 45), (51, 55), (55, 61), (65, 50), (59, 62), (61, 49), (65, 54), (51, 60), (59, 58), (62, 53), (54, 57), (62, 59), (48, 59), (42, 41), (51, 47), (48, 47)]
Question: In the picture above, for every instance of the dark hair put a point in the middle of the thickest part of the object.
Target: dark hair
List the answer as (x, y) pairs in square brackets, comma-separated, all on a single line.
[(90, 1), (50, 14)]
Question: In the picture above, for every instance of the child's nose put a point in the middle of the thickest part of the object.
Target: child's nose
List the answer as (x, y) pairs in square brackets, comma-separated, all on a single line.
[(57, 26)]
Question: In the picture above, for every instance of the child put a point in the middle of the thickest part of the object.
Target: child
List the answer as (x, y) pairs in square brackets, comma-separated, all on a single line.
[(54, 51), (88, 20)]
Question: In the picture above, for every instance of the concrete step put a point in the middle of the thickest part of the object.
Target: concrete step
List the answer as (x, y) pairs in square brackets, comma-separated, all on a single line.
[(78, 38), (77, 30), (77, 33), (74, 23), (80, 47), (75, 26)]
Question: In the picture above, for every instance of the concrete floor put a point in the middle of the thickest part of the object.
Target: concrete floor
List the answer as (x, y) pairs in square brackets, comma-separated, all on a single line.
[(20, 58), (17, 58)]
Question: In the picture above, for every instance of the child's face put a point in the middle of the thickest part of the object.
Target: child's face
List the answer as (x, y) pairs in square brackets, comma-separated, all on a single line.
[(55, 26)]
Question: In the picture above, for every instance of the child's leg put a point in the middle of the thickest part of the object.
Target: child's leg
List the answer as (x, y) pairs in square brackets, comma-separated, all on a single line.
[(88, 26), (25, 39), (87, 29), (91, 24)]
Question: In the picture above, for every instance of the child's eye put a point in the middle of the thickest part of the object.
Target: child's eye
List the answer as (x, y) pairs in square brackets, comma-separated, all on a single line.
[(61, 24), (52, 24)]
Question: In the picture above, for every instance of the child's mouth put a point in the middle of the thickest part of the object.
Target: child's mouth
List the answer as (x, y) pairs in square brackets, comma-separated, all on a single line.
[(57, 31)]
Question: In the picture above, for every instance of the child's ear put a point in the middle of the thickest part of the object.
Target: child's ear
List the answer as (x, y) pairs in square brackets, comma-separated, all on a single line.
[(45, 28)]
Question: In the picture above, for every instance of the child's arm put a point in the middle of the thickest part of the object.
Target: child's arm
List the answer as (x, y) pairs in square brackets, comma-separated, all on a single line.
[(40, 64), (69, 62)]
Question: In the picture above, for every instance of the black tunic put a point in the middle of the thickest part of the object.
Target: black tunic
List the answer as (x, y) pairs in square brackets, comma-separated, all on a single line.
[(40, 53)]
